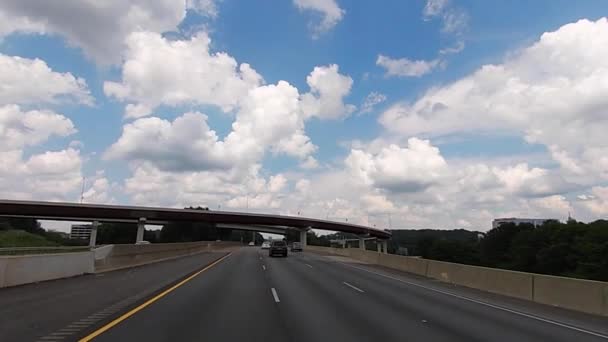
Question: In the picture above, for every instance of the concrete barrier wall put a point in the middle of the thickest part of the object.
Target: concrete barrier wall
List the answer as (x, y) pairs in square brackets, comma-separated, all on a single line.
[(510, 283), (417, 265), (576, 294), (393, 261), (23, 269), (329, 250), (364, 256), (122, 256)]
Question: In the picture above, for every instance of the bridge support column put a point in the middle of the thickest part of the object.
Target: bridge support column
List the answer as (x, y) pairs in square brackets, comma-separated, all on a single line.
[(93, 237), (303, 238), (362, 243), (379, 246), (141, 226), (385, 247)]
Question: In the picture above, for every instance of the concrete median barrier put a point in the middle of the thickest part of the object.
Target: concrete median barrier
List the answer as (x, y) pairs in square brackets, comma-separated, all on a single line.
[(24, 269), (363, 256), (510, 283), (441, 271), (576, 294), (124, 256), (393, 261), (328, 250), (417, 266)]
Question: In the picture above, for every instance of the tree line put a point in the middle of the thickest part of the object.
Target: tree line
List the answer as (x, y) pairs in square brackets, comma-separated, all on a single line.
[(571, 249)]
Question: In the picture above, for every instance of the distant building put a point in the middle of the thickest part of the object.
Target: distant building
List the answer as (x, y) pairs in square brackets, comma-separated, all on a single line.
[(80, 231), (536, 222)]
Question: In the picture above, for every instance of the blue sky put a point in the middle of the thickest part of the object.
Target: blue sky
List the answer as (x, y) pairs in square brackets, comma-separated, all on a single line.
[(518, 168)]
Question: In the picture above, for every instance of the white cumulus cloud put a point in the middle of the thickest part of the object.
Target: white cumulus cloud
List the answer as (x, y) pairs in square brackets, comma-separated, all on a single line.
[(99, 29), (434, 7), (403, 67), (330, 12), (52, 175), (371, 100), (31, 81), (399, 169), (176, 73), (20, 128), (597, 202), (552, 92), (327, 91)]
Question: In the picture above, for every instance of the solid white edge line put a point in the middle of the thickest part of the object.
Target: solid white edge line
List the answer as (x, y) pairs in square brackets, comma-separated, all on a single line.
[(353, 287), (563, 325), (275, 295)]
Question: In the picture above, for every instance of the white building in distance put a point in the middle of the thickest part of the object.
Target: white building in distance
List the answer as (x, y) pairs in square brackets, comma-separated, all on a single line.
[(80, 231), (536, 222)]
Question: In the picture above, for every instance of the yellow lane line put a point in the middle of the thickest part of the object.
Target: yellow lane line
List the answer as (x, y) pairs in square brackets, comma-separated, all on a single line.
[(148, 302)]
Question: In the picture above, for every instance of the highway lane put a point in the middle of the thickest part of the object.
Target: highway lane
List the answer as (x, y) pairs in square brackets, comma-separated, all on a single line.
[(35, 311), (307, 297), (231, 301)]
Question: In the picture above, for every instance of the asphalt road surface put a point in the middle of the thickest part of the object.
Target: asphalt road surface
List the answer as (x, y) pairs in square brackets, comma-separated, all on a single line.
[(247, 296), (305, 297), (61, 310)]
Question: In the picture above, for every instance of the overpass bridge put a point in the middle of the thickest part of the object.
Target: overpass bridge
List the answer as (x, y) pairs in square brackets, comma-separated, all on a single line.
[(276, 224)]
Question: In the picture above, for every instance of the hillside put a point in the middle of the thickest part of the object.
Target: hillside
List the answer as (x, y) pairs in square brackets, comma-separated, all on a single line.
[(21, 238)]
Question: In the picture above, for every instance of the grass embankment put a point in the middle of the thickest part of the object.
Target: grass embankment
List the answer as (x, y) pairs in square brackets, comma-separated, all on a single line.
[(19, 242), (21, 238)]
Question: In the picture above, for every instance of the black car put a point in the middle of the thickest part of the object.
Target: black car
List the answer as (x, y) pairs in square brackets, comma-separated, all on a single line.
[(278, 248)]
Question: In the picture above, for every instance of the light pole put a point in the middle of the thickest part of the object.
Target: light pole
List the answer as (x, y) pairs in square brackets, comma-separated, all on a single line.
[(82, 190)]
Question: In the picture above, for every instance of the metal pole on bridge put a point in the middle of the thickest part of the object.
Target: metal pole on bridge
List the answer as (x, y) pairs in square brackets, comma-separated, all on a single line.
[(93, 236)]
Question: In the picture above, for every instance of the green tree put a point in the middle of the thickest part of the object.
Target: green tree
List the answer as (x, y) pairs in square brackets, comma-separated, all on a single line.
[(116, 233), (454, 251), (495, 247), (423, 247), (30, 225)]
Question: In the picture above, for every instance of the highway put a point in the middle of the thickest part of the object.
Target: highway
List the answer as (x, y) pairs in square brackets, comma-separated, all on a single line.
[(247, 296)]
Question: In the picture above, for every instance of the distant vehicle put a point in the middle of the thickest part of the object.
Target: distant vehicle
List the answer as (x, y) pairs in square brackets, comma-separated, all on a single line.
[(142, 242), (278, 248), (251, 243), (296, 247), (266, 245)]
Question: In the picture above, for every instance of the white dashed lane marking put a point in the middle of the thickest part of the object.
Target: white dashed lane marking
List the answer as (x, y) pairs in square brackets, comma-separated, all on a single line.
[(275, 295)]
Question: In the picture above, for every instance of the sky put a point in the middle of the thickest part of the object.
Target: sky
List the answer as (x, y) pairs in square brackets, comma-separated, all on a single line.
[(395, 114)]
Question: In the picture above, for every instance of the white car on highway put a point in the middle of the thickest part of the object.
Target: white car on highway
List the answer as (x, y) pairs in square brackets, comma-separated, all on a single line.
[(266, 245)]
